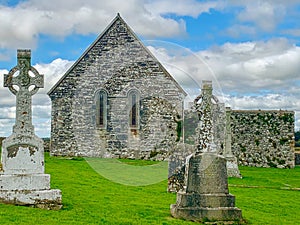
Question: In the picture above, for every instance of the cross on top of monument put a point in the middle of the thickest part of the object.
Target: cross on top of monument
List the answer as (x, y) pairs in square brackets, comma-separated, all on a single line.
[(23, 81)]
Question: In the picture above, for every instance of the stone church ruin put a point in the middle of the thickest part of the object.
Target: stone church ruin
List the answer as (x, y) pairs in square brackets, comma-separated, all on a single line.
[(118, 101)]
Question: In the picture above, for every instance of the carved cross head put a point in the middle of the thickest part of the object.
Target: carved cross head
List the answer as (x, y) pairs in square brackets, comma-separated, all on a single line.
[(24, 77)]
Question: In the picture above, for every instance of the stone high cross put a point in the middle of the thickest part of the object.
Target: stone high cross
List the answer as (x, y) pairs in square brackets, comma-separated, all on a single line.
[(22, 177), (205, 127), (23, 81), (206, 195)]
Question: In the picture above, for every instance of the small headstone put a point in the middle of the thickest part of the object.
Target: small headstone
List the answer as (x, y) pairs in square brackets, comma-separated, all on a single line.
[(22, 178), (232, 164), (206, 195)]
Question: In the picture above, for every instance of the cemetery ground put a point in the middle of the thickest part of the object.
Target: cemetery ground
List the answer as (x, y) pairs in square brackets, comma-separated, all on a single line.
[(265, 195)]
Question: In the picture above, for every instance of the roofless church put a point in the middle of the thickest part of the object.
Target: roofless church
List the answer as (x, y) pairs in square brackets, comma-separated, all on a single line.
[(116, 100)]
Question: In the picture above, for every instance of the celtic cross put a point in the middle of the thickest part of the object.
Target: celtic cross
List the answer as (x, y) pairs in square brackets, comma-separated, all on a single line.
[(23, 81)]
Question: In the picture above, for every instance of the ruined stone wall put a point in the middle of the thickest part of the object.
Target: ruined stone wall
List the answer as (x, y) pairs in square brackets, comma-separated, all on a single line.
[(260, 138), (62, 127), (116, 63), (263, 138), (297, 158)]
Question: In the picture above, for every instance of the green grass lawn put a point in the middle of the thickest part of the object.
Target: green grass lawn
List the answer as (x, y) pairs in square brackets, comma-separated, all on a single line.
[(266, 196)]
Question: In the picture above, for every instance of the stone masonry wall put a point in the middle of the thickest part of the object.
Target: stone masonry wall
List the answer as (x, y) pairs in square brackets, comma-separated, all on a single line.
[(263, 138), (260, 138), (116, 63), (297, 158)]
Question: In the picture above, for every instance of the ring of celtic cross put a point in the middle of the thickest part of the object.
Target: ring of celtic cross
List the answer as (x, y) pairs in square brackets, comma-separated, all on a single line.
[(24, 79)]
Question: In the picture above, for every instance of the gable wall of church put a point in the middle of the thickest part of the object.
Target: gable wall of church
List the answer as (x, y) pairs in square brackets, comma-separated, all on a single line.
[(116, 64)]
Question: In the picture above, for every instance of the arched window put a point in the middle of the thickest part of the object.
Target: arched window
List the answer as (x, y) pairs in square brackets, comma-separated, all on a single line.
[(134, 106), (101, 109)]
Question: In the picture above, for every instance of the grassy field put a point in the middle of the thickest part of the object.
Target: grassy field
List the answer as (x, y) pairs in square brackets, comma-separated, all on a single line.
[(266, 196)]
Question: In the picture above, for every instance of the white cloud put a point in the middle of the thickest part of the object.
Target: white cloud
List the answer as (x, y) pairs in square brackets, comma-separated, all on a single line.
[(264, 14), (42, 127), (269, 101), (24, 22), (53, 72), (6, 127), (256, 16), (249, 75), (8, 113), (293, 32), (272, 65), (237, 30), (182, 7), (249, 67)]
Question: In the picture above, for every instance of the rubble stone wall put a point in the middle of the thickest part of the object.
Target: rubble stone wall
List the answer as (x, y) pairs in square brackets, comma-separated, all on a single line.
[(263, 138), (260, 138)]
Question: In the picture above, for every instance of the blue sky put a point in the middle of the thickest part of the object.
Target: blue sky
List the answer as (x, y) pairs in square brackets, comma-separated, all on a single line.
[(250, 49)]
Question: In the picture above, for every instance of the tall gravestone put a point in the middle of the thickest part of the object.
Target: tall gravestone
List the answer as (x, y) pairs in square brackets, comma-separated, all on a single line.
[(231, 160), (181, 151), (22, 177), (206, 194)]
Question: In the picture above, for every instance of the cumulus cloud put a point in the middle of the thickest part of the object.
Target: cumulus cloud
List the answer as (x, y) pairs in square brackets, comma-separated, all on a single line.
[(249, 75), (24, 22), (6, 127), (8, 113), (292, 32), (267, 101), (263, 13), (272, 65), (253, 17), (182, 7), (244, 68), (53, 72), (42, 127)]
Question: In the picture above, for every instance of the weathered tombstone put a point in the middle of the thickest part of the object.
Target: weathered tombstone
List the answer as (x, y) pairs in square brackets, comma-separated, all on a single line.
[(231, 160), (206, 194), (181, 151), (22, 177)]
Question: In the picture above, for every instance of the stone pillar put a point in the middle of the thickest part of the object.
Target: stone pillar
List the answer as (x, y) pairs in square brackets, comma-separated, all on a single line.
[(206, 193), (22, 178), (231, 160)]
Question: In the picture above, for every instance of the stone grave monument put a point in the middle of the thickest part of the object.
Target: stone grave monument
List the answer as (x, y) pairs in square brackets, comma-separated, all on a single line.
[(231, 160), (181, 151), (22, 177), (206, 193)]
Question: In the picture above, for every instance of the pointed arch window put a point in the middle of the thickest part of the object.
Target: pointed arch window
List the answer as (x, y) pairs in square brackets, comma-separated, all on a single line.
[(134, 106), (101, 109)]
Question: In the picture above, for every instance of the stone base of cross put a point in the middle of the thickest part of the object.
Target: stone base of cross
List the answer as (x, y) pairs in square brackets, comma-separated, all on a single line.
[(206, 196)]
